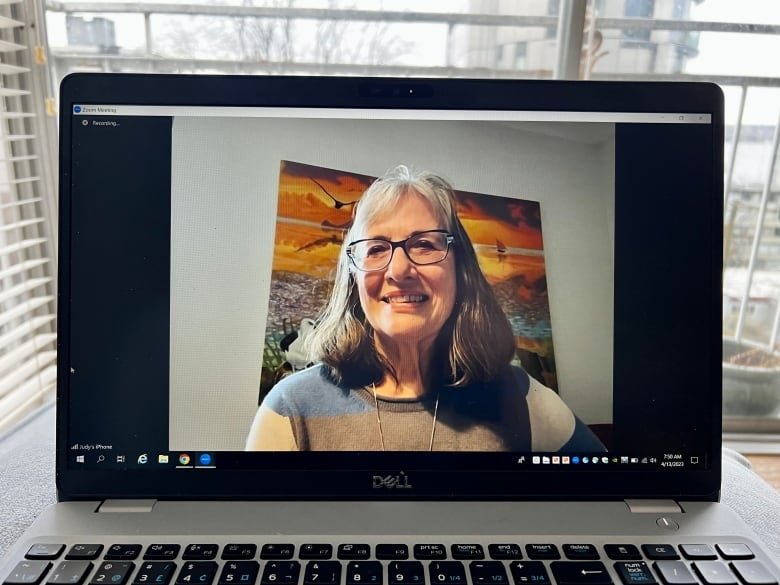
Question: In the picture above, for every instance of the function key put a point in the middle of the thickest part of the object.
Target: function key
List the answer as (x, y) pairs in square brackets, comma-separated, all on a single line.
[(392, 552), (674, 573), (84, 552), (529, 573), (42, 552), (113, 572), (542, 551), (580, 552), (406, 573), (200, 572), (322, 573), (698, 551), (200, 552), (753, 573), (635, 573), (660, 552), (488, 572), (28, 573), (504, 551), (355, 552), (447, 573), (70, 572), (315, 551), (622, 552), (467, 551), (424, 552), (154, 573), (580, 573), (123, 552), (161, 552), (734, 550), (715, 573), (281, 573), (364, 572), (244, 572), (237, 552), (277, 551)]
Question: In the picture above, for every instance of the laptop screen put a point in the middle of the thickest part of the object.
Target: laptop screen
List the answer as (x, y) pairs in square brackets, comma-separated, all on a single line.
[(414, 292)]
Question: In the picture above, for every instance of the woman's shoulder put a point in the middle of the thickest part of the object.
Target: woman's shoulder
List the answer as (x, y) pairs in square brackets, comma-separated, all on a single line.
[(310, 392)]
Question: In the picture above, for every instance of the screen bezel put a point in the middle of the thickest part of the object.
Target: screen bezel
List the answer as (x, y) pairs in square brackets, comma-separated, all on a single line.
[(357, 481)]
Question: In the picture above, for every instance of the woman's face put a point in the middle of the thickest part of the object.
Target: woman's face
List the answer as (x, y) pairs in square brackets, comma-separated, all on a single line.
[(407, 303)]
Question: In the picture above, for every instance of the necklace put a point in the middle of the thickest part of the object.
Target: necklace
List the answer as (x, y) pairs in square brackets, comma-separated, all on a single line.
[(379, 420)]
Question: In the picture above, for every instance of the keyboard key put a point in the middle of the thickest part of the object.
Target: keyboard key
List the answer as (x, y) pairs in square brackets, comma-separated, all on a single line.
[(364, 573), (504, 551), (392, 552), (542, 551), (70, 572), (200, 552), (698, 551), (714, 573), (161, 552), (467, 551), (674, 573), (406, 573), (155, 573), (315, 551), (281, 573), (277, 551), (354, 552), (28, 573), (580, 552), (447, 573), (753, 573), (113, 573), (43, 552), (660, 552), (488, 573), (622, 552), (123, 552), (529, 573), (734, 550), (239, 552), (580, 573), (635, 573), (430, 552), (197, 573), (239, 573), (84, 552), (322, 573)]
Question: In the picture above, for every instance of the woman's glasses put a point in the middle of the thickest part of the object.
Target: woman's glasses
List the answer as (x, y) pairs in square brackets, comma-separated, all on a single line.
[(427, 247)]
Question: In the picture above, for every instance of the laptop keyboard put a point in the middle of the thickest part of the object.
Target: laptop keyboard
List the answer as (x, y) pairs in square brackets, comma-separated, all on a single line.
[(390, 564)]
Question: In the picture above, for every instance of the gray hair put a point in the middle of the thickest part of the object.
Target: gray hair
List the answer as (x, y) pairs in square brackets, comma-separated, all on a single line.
[(475, 344)]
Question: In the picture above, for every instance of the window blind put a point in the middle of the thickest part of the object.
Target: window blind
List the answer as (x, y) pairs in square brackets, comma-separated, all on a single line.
[(27, 217)]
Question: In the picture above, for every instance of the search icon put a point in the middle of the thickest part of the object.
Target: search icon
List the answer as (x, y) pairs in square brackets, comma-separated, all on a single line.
[(101, 458)]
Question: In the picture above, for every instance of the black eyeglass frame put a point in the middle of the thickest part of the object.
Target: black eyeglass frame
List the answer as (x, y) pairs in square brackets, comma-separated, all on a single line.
[(402, 244)]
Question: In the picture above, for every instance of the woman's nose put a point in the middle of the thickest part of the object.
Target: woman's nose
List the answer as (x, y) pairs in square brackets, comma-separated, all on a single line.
[(400, 266)]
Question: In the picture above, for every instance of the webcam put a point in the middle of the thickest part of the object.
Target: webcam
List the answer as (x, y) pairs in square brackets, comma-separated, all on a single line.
[(396, 90)]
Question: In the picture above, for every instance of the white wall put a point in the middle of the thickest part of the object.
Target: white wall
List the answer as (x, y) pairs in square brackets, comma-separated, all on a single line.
[(224, 185)]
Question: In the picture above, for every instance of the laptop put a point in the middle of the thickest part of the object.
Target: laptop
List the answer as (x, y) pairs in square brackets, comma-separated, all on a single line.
[(395, 332)]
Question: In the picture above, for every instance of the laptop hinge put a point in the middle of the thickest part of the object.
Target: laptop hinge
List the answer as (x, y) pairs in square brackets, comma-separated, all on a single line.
[(654, 507), (126, 506)]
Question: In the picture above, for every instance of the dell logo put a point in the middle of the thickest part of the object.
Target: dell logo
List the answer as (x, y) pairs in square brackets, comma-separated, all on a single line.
[(399, 482)]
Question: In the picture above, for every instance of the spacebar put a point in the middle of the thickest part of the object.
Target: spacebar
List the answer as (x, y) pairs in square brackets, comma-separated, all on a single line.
[(580, 573)]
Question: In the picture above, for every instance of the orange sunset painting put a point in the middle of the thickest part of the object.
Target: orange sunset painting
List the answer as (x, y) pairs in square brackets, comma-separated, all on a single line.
[(313, 213)]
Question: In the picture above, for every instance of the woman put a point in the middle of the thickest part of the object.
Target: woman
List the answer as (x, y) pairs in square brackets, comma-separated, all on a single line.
[(413, 350)]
